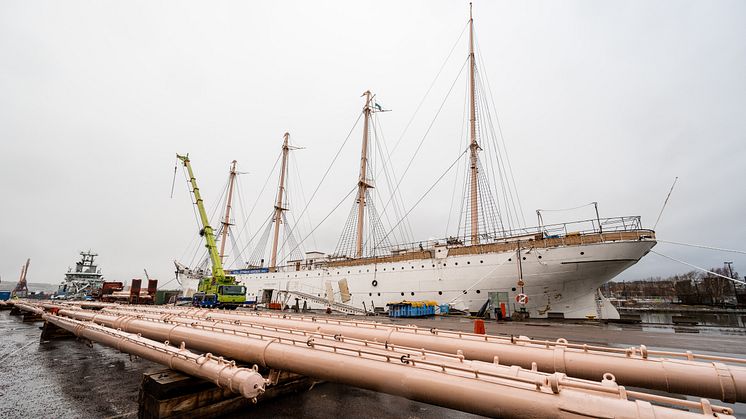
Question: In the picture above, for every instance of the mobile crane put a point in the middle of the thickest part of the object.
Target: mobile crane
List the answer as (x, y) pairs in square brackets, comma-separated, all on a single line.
[(219, 290)]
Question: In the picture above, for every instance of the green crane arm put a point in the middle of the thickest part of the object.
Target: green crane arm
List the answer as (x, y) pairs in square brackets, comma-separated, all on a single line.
[(218, 274)]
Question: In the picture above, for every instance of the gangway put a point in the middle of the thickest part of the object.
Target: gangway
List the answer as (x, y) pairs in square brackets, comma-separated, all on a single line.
[(343, 308)]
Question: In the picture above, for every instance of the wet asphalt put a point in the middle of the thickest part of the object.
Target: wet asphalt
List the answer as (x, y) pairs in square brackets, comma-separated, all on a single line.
[(71, 379)]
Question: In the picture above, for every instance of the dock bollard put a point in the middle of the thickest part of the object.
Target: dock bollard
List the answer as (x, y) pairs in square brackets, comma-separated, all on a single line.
[(479, 327)]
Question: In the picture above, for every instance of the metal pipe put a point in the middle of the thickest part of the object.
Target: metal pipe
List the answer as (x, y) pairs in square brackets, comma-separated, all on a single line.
[(29, 308), (491, 396), (706, 379), (244, 381), (429, 359)]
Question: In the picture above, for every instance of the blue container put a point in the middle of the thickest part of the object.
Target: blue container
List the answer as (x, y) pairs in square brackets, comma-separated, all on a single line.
[(407, 310), (4, 295)]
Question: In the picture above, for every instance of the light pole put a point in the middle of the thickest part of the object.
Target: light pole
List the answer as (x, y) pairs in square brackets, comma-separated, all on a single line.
[(730, 274)]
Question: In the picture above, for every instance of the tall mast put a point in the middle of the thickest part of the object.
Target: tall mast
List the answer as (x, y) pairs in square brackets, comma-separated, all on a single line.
[(473, 146), (362, 184), (226, 220), (278, 207)]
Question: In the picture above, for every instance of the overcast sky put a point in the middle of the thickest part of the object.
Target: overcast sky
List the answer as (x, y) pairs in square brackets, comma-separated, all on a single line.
[(598, 101)]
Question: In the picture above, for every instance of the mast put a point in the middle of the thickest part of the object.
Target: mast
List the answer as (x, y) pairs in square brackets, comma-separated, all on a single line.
[(362, 184), (473, 146), (226, 221), (278, 207), (218, 275)]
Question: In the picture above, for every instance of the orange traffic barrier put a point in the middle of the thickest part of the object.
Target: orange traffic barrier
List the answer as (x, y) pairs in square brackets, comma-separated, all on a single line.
[(479, 327)]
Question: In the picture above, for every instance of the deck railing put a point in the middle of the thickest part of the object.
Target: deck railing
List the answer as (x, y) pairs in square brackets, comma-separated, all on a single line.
[(582, 227), (572, 231)]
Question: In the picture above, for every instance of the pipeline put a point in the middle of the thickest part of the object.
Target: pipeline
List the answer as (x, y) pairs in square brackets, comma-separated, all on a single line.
[(436, 360), (224, 373), (471, 391), (631, 366)]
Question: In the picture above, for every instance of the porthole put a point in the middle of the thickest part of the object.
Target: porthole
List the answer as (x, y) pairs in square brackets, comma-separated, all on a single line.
[(440, 292), (423, 266), (444, 264), (370, 294), (510, 259), (539, 256), (456, 263), (582, 253), (348, 272), (481, 261), (468, 262), (433, 265), (512, 289), (402, 294), (374, 283), (379, 294), (438, 250), (464, 291), (412, 293), (524, 258), (478, 291), (412, 267), (402, 268), (384, 269)]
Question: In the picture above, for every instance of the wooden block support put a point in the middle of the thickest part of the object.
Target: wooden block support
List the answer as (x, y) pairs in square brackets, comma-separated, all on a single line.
[(32, 317), (173, 395), (52, 332)]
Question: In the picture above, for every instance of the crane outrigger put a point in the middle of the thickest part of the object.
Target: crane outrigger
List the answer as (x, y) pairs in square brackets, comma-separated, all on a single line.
[(218, 290)]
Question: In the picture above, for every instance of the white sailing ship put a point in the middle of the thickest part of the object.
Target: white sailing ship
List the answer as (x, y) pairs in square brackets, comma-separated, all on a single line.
[(546, 270)]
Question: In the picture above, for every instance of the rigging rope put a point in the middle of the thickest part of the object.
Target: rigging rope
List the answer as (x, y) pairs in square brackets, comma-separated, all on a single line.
[(380, 143), (665, 202), (702, 246), (461, 144), (261, 192), (429, 89), (327, 216), (299, 182), (313, 195), (499, 130), (424, 195), (419, 146), (567, 209), (697, 267)]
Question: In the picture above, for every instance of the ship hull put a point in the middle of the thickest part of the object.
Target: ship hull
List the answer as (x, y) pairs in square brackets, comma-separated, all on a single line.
[(560, 279)]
